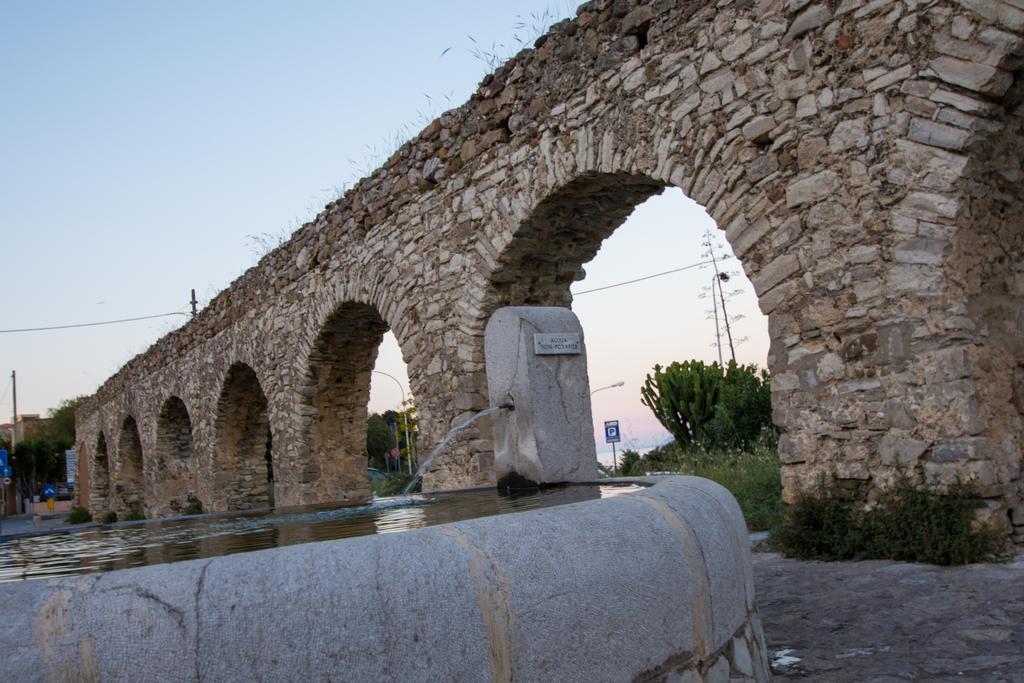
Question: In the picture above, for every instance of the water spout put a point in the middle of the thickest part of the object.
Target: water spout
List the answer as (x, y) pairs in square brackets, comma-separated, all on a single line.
[(508, 405)]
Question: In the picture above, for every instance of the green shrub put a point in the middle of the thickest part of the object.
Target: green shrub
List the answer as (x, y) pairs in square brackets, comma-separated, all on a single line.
[(195, 507), (134, 515), (752, 476), (109, 518), (392, 485), (79, 515), (908, 524)]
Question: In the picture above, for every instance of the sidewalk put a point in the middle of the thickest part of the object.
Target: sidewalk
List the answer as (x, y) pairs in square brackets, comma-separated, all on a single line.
[(839, 622), (16, 525)]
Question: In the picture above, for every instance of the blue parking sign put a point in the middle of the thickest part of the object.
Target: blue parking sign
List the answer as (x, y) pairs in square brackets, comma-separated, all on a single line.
[(611, 432)]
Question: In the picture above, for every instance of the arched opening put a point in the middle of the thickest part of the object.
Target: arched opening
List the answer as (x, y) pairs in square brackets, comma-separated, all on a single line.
[(173, 467), (243, 470), (564, 232), (668, 279), (653, 300), (338, 390), (129, 488), (982, 366), (99, 484)]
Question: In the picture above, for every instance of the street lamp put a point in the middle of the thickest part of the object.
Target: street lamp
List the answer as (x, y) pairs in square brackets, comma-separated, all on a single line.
[(405, 421), (620, 383), (610, 386)]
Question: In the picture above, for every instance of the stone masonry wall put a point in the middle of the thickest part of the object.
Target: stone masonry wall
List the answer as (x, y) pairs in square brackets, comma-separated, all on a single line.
[(862, 158)]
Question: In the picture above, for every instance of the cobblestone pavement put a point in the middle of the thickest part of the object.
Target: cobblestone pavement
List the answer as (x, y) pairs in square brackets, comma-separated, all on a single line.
[(891, 621)]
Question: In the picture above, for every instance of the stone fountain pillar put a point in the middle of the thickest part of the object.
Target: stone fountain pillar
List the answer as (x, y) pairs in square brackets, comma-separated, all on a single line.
[(536, 359)]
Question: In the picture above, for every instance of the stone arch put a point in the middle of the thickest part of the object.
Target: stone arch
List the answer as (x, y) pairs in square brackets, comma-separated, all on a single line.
[(537, 259), (972, 236), (243, 468), (547, 252), (335, 393), (129, 486), (174, 463), (99, 485)]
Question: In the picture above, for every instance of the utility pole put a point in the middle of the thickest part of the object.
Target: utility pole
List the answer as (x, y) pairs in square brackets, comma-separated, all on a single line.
[(718, 279), (718, 334), (14, 393), (724, 277), (195, 304)]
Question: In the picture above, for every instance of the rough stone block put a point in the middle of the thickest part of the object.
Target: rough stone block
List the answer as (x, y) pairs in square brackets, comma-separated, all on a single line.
[(978, 77), (547, 438)]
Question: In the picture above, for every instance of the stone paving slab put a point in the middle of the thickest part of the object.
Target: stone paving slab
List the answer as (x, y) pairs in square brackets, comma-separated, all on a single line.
[(891, 621)]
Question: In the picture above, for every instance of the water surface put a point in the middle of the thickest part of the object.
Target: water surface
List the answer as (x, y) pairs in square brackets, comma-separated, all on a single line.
[(119, 546)]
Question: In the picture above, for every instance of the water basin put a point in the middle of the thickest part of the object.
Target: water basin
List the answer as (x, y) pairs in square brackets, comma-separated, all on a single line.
[(136, 544)]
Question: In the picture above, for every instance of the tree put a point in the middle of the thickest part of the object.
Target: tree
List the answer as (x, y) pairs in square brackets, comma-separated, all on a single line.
[(61, 421), (408, 431), (378, 440), (631, 465)]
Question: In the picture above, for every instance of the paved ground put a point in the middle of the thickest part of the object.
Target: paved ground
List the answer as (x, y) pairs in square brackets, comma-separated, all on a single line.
[(25, 524), (889, 621)]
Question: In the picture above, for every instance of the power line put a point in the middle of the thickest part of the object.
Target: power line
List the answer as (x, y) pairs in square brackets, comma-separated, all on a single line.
[(164, 315), (104, 322), (646, 277)]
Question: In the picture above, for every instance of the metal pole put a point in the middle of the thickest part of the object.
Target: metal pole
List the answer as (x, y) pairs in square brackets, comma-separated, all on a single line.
[(408, 446), (722, 277), (14, 427), (615, 460), (718, 334), (14, 393), (195, 304), (405, 422)]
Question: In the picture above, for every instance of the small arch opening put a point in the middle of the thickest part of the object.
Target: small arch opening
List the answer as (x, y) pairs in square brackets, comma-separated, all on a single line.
[(129, 488), (173, 466), (244, 470)]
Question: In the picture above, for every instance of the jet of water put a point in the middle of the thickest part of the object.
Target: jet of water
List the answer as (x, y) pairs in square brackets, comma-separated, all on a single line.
[(448, 437)]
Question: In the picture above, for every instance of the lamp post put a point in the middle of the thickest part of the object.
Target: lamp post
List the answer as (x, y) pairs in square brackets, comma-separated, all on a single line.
[(405, 421), (610, 386)]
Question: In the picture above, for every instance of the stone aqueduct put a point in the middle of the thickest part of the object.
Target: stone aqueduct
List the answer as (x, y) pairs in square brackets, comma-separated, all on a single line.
[(864, 159)]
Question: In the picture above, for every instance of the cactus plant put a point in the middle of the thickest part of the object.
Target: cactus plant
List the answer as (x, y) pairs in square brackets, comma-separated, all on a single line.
[(710, 406)]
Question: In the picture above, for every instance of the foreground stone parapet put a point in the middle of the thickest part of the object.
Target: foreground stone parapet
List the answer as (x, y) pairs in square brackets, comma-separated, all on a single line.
[(643, 586), (537, 361)]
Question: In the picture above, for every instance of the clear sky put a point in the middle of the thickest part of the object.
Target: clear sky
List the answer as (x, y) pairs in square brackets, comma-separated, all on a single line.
[(144, 145)]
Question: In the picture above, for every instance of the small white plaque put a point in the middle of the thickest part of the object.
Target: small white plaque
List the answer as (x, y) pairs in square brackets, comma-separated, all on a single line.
[(547, 344)]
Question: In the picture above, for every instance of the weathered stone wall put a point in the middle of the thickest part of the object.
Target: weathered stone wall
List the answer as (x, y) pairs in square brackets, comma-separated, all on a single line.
[(862, 158)]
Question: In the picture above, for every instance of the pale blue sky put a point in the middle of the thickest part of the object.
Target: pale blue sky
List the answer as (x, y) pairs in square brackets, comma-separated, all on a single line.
[(143, 143)]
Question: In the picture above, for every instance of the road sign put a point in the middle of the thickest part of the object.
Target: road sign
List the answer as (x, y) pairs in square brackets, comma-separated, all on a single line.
[(611, 432), (5, 471), (49, 491), (6, 481), (3, 457), (71, 464)]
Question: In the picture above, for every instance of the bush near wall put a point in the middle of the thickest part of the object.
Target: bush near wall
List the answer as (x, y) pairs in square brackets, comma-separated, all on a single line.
[(907, 524)]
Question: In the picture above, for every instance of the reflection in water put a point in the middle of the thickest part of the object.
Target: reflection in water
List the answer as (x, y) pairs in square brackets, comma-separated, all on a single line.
[(135, 545)]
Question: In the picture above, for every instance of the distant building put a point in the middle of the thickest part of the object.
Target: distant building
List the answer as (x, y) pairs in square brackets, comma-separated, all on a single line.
[(27, 426)]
